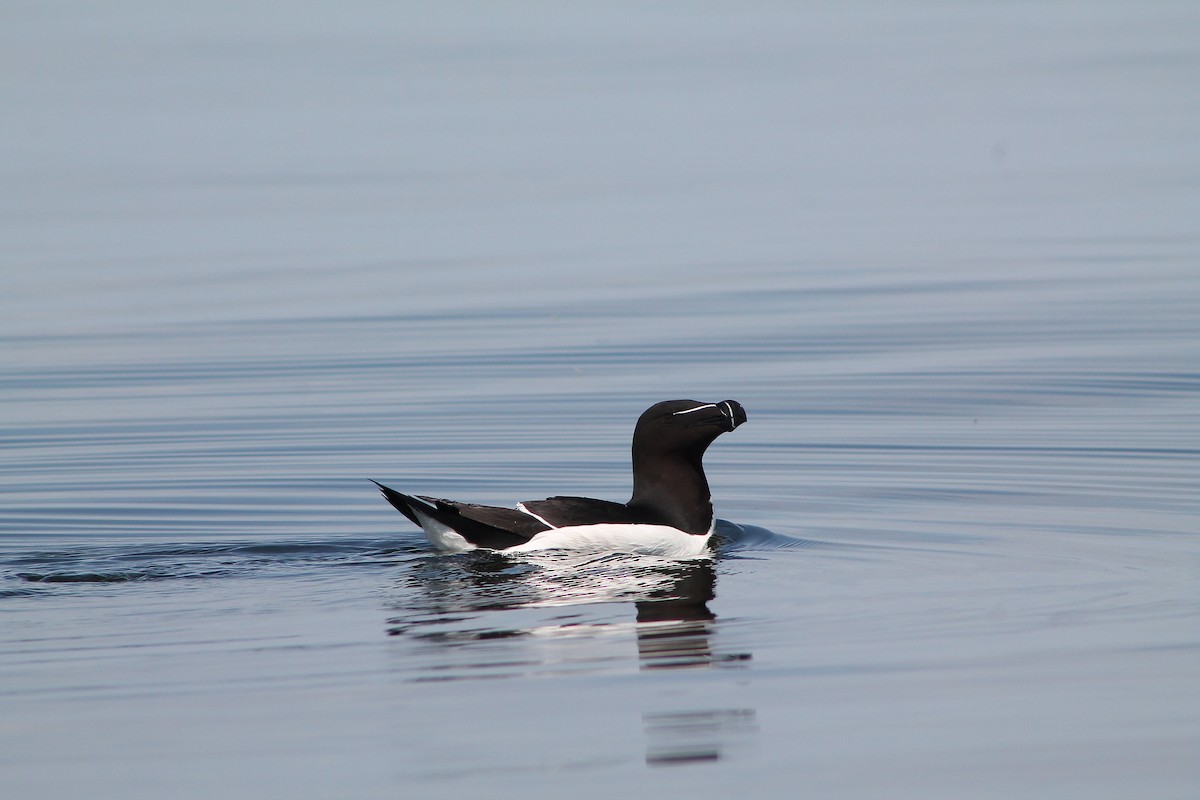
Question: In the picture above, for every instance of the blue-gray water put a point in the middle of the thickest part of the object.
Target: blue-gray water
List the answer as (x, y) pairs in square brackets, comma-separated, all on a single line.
[(946, 254)]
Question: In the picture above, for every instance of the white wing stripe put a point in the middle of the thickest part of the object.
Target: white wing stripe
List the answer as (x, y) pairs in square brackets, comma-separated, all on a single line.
[(521, 507)]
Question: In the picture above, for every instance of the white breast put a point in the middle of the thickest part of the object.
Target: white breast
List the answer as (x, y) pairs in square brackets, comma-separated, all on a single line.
[(659, 540)]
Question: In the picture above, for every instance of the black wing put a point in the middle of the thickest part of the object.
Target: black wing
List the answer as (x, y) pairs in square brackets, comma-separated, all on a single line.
[(484, 526), (563, 511)]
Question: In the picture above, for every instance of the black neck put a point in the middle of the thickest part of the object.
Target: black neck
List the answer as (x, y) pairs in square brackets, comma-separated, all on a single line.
[(671, 489)]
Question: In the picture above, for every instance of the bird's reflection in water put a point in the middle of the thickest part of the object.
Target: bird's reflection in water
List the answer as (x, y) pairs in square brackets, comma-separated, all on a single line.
[(482, 615), (687, 737), (485, 596), (674, 630)]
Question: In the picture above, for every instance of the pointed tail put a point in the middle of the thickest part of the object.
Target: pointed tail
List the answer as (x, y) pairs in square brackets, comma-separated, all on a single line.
[(401, 502)]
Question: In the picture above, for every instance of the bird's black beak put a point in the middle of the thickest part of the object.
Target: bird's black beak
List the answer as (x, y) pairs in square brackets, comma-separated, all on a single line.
[(732, 413), (726, 415)]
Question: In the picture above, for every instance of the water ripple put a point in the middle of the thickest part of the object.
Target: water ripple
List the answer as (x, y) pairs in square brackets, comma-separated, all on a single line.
[(158, 562)]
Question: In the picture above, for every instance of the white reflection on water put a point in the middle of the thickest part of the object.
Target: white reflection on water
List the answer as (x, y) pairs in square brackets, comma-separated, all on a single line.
[(466, 607), (550, 601)]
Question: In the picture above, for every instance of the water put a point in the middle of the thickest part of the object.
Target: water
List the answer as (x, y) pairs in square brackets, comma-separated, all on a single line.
[(946, 256)]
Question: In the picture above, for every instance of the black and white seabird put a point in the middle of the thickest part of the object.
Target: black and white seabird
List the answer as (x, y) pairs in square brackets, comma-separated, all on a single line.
[(670, 513)]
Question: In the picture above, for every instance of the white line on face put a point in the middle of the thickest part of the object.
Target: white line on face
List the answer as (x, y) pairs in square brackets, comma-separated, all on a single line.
[(690, 410), (729, 408)]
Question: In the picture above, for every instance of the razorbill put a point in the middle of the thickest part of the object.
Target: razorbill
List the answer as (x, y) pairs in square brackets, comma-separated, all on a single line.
[(670, 513)]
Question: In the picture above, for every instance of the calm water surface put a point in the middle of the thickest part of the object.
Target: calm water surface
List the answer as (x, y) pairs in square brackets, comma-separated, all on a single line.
[(946, 256)]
